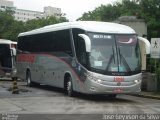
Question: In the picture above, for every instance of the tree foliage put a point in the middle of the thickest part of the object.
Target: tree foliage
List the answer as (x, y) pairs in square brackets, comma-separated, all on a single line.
[(111, 12), (150, 11), (143, 9), (37, 23), (10, 28)]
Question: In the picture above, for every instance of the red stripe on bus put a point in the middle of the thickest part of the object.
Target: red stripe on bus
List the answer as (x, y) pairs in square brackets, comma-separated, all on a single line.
[(65, 63), (31, 59), (26, 58)]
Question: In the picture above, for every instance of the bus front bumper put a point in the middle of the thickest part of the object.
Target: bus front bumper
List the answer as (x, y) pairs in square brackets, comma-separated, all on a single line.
[(97, 88)]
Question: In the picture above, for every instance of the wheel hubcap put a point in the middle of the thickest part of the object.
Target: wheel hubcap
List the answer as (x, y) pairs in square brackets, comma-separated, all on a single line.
[(69, 87), (29, 81)]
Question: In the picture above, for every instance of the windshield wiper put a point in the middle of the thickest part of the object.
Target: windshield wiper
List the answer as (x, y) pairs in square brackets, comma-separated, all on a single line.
[(110, 59), (119, 55), (113, 54), (124, 60)]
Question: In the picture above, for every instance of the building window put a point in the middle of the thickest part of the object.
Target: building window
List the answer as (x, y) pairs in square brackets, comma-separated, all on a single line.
[(3, 7)]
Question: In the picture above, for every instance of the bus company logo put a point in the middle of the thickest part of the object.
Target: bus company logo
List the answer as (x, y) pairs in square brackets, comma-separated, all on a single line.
[(118, 83), (119, 79), (26, 58)]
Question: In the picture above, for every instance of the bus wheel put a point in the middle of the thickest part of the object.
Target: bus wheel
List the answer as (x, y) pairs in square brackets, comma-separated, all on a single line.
[(112, 96), (28, 78), (69, 87)]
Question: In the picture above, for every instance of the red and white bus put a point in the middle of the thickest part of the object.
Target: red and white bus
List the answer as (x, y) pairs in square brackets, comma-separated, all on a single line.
[(66, 55)]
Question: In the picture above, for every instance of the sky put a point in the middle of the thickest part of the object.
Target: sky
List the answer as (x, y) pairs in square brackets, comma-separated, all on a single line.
[(72, 8)]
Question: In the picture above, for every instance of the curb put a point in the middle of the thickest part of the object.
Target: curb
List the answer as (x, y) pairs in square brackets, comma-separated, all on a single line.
[(148, 96)]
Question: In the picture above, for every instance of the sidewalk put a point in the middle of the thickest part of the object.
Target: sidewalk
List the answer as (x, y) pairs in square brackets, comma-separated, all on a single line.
[(152, 95)]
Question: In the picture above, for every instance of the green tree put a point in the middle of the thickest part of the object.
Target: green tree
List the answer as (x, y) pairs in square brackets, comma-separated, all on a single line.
[(143, 9), (37, 23), (10, 28), (150, 11), (112, 12), (102, 13), (5, 22)]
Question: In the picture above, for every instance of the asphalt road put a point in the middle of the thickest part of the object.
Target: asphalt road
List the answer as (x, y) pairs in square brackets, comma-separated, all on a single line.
[(49, 103)]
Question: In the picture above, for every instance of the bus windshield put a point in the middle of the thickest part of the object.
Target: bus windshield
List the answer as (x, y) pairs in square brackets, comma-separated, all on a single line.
[(114, 53)]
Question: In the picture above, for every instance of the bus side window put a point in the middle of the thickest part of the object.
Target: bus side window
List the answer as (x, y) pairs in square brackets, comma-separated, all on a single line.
[(62, 42)]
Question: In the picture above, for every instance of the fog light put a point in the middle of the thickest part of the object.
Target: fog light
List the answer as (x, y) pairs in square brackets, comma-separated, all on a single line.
[(92, 89)]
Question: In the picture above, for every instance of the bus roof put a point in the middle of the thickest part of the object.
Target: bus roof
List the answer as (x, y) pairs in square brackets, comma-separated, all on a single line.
[(92, 26), (4, 41)]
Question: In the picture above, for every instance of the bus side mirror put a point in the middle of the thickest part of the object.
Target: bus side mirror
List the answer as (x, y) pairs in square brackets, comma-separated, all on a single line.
[(87, 42), (13, 52), (147, 44)]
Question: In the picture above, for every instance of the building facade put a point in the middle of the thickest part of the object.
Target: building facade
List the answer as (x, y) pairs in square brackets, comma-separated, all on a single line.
[(25, 15), (4, 4), (52, 11)]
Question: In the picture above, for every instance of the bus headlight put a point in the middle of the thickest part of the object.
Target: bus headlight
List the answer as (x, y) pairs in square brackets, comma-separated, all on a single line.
[(94, 79), (99, 81), (136, 81)]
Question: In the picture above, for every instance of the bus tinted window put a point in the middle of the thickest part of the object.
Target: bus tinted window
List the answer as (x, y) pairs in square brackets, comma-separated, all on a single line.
[(5, 56), (58, 41), (62, 41)]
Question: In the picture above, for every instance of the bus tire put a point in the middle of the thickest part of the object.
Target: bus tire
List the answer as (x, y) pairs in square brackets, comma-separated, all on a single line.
[(112, 96), (69, 87), (28, 78)]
